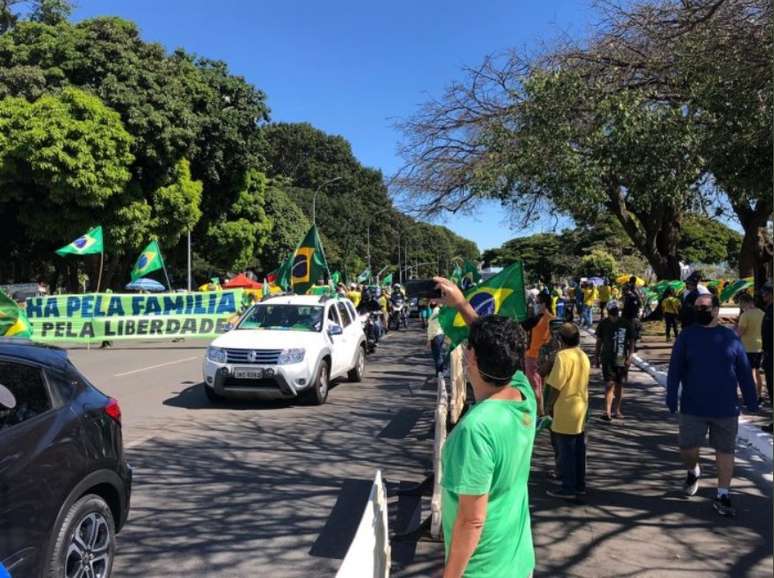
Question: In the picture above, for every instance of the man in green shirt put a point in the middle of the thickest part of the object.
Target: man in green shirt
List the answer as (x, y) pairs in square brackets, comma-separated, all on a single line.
[(486, 459)]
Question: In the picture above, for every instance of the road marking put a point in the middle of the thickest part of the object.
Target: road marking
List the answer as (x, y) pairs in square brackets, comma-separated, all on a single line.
[(155, 366), (140, 441)]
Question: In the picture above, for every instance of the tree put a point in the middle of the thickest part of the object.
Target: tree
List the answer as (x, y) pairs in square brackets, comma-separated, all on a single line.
[(545, 256), (705, 240), (288, 227), (51, 11), (598, 263), (712, 57)]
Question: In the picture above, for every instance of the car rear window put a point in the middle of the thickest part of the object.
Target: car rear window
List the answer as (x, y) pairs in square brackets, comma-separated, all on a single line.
[(25, 382)]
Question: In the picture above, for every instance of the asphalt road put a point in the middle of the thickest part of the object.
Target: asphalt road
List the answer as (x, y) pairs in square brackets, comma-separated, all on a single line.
[(255, 489)]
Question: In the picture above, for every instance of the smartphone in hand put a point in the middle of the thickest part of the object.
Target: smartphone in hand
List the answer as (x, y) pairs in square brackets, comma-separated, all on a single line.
[(422, 288)]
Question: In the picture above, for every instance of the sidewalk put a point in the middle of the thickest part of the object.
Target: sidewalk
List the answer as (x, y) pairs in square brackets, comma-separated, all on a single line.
[(634, 521), (654, 349)]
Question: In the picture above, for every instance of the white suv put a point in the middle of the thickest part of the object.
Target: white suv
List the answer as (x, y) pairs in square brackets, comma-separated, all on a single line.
[(287, 346)]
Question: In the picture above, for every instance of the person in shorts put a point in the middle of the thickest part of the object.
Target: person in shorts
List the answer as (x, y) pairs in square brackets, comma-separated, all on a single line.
[(708, 364), (748, 328), (614, 349)]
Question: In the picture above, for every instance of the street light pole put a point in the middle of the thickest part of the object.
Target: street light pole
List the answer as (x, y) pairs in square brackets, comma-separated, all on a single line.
[(314, 197)]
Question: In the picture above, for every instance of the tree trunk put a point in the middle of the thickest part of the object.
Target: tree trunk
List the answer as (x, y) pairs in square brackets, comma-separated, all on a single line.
[(755, 252)]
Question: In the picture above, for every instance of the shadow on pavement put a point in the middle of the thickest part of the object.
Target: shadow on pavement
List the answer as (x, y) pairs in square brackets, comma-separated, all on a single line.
[(244, 492)]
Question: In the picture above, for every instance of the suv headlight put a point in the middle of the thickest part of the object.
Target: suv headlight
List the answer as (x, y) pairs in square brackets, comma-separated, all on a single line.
[(291, 356), (216, 354)]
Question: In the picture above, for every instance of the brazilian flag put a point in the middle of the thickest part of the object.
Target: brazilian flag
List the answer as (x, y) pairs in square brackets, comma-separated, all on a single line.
[(470, 276), (456, 275), (13, 319), (502, 294), (364, 276), (307, 264), (387, 281), (86, 244), (149, 260)]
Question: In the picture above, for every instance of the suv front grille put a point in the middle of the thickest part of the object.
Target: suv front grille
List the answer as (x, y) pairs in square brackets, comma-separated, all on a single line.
[(253, 356)]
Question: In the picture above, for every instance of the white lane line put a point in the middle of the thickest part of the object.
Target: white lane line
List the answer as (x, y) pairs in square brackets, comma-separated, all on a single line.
[(140, 441), (155, 366)]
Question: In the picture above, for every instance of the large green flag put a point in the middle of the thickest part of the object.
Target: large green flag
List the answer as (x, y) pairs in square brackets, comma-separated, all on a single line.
[(86, 244), (13, 319), (732, 289), (336, 278), (308, 263), (148, 261), (470, 275), (387, 281), (364, 276), (502, 294)]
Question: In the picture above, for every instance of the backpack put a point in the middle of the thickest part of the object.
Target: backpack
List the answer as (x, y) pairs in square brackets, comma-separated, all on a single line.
[(548, 351)]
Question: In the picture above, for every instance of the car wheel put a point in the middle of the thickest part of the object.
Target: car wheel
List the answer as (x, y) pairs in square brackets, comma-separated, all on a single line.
[(211, 395), (318, 393), (85, 541), (355, 374)]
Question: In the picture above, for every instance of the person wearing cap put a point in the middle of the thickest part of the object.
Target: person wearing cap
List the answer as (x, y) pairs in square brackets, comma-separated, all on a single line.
[(693, 288), (613, 352), (767, 343), (708, 364), (567, 402)]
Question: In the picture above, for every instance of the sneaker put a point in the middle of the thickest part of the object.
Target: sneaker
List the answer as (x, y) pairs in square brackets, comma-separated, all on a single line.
[(560, 493), (605, 417), (691, 484), (722, 505)]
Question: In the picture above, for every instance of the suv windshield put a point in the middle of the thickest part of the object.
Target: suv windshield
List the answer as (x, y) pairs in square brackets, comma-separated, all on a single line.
[(283, 317)]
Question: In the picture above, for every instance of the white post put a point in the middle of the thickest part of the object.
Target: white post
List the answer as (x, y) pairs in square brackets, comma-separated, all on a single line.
[(441, 411), (189, 259)]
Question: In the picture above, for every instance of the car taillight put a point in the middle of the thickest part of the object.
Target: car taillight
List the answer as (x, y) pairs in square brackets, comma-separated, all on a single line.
[(113, 410)]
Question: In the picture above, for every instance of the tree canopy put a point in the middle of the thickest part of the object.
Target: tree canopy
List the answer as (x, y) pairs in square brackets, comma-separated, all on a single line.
[(664, 112), (98, 126)]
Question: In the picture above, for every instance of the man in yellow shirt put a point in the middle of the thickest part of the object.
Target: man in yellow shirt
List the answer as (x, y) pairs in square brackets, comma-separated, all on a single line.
[(589, 296), (354, 295), (605, 294), (568, 400), (748, 328)]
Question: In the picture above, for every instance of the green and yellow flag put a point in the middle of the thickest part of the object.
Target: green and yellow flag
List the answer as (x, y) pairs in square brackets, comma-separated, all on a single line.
[(365, 276), (387, 281), (149, 260), (502, 294), (308, 263), (86, 244), (470, 275), (732, 289), (13, 319)]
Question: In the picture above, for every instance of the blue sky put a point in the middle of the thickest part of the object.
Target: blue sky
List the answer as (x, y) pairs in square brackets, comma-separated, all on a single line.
[(353, 68)]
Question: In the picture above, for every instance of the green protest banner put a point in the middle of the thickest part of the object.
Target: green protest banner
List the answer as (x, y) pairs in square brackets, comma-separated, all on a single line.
[(96, 317)]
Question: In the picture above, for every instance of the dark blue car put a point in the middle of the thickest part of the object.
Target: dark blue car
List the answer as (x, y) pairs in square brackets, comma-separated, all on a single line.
[(64, 480)]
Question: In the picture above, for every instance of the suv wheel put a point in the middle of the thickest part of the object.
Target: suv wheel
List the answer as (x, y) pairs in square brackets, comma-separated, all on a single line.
[(85, 542), (211, 395), (318, 393), (355, 374)]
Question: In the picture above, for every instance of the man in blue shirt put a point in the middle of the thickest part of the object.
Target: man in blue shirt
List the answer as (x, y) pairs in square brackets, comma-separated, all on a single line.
[(709, 362)]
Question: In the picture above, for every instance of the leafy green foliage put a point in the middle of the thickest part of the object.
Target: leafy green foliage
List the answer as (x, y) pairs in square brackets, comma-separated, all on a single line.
[(705, 240), (72, 151), (598, 263)]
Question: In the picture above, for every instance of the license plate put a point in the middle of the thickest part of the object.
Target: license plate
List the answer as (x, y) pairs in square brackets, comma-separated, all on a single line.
[(250, 373)]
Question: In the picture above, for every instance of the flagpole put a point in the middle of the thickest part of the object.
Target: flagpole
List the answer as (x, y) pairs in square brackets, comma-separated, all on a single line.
[(101, 263), (164, 266)]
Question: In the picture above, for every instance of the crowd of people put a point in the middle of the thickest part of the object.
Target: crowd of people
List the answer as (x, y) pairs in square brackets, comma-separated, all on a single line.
[(524, 372)]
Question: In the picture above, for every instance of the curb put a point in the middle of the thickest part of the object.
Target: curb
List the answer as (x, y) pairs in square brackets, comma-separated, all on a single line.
[(749, 434)]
